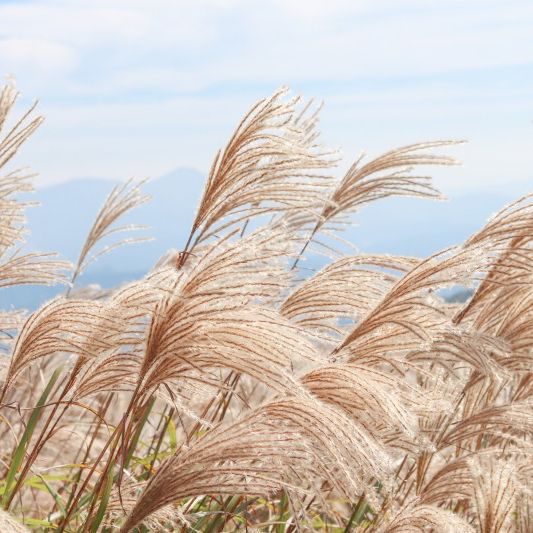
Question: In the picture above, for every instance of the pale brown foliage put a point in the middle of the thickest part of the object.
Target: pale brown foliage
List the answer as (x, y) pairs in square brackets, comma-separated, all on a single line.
[(223, 389), (17, 268), (123, 198), (9, 525)]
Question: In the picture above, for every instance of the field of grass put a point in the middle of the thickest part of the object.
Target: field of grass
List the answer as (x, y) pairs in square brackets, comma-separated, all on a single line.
[(231, 389)]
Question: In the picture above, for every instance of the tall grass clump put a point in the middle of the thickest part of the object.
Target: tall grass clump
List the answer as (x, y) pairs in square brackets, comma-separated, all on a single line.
[(231, 389)]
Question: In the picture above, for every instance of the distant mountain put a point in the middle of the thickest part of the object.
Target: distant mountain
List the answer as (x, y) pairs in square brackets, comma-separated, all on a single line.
[(397, 226)]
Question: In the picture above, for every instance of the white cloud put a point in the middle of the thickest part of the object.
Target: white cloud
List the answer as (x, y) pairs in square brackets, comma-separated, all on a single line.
[(38, 56), (136, 87), (217, 41)]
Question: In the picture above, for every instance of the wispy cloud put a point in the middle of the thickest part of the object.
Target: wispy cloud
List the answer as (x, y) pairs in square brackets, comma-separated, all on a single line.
[(42, 58), (130, 86)]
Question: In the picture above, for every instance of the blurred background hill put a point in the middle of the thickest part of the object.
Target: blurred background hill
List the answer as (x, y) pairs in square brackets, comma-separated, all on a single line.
[(404, 226)]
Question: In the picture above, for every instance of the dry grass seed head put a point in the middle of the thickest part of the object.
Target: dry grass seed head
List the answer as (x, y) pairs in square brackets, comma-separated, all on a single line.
[(81, 328), (349, 287), (8, 524), (122, 199), (254, 454), (270, 164)]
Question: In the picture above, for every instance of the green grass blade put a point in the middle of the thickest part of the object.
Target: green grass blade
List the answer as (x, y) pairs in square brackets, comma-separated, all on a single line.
[(53, 492), (172, 435), (137, 435), (358, 514), (103, 502), (283, 513), (226, 512), (20, 451)]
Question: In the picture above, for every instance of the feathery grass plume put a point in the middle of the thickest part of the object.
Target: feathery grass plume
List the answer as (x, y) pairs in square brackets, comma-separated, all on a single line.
[(117, 368), (494, 489), (213, 318), (187, 351), (407, 309), (206, 317), (111, 366), (415, 517), (507, 277), (481, 352), (250, 340), (191, 339), (515, 260), (375, 399), (8, 524), (452, 482), (11, 141), (115, 372), (17, 269), (81, 328), (387, 175), (507, 311), (347, 288), (12, 211), (512, 222), (270, 165), (488, 485), (252, 268), (167, 518), (64, 326), (363, 183), (145, 294), (32, 269), (10, 322), (514, 420), (256, 453), (122, 199), (409, 314)]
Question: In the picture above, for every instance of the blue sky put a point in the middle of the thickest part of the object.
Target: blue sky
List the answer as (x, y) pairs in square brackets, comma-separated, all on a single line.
[(137, 88)]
